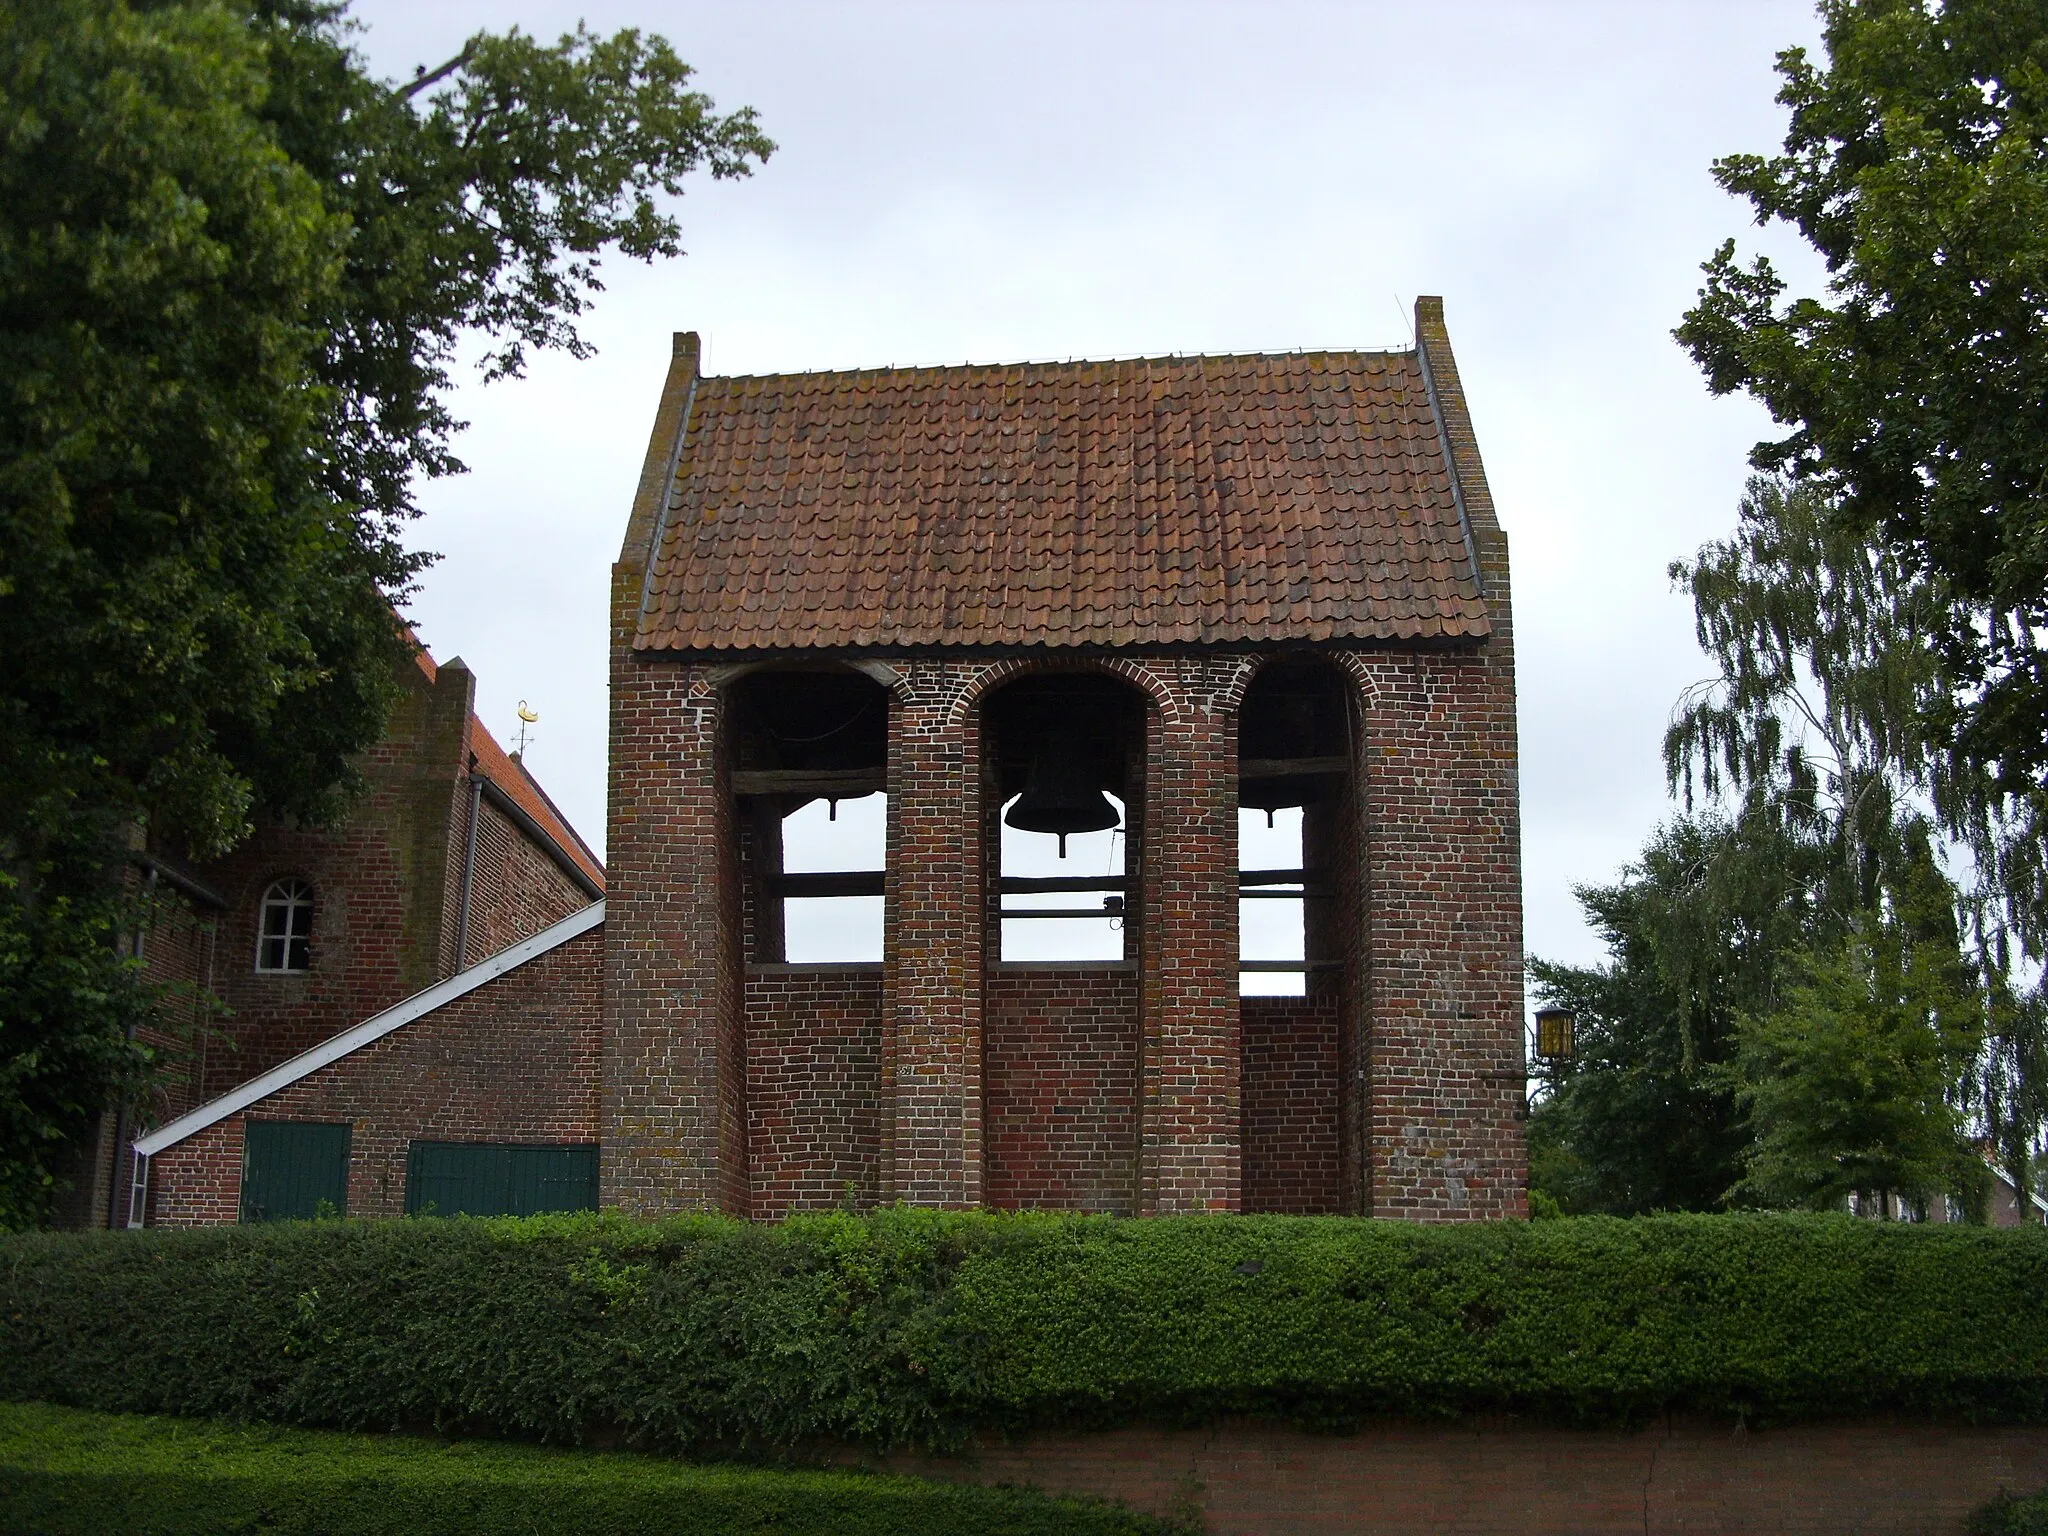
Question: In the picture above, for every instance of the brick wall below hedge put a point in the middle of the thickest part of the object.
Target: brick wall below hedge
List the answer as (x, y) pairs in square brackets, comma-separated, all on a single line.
[(1248, 1478)]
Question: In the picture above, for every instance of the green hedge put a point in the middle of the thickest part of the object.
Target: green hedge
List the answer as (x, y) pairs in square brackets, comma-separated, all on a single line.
[(68, 1473), (2012, 1517), (919, 1328)]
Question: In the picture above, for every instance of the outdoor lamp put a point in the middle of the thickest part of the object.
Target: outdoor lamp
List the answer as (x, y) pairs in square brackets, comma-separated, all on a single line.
[(1557, 1031)]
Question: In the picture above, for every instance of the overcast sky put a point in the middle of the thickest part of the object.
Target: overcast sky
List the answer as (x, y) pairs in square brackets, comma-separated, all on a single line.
[(1003, 181)]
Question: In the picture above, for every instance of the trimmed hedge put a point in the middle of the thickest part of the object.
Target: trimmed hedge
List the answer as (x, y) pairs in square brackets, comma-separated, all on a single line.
[(68, 1473), (920, 1328), (2012, 1517)]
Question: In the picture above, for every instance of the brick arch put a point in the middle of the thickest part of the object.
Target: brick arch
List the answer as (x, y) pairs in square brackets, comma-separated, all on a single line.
[(713, 680), (1229, 698), (1169, 700)]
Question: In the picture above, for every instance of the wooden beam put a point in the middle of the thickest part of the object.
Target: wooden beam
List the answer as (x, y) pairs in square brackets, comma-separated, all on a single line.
[(849, 882), (1033, 885), (812, 783), (1010, 912), (1272, 877), (1290, 767)]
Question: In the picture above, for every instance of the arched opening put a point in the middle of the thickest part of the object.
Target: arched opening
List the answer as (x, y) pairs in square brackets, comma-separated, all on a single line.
[(1300, 950), (1063, 773), (808, 755)]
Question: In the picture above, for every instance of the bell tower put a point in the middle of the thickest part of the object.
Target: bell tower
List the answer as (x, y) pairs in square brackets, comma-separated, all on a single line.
[(1176, 696)]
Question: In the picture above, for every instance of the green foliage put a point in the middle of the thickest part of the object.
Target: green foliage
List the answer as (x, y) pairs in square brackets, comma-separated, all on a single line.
[(67, 1473), (1878, 615), (1848, 1086), (233, 270), (920, 1328), (54, 964), (1916, 165), (2011, 1517), (1827, 671), (1780, 1024), (1641, 1120)]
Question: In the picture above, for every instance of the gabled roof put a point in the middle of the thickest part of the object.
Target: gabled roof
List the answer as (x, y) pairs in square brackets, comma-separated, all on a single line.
[(1154, 501), (508, 775), (349, 1041)]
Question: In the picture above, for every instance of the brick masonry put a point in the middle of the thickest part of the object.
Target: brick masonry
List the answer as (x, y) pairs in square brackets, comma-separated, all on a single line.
[(814, 1088), (1292, 1092), (1416, 1075), (515, 1060), (1248, 1478), (948, 1079), (1431, 1032), (1061, 1075)]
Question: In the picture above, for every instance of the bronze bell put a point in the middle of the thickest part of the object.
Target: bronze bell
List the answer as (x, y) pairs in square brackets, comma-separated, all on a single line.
[(1060, 796)]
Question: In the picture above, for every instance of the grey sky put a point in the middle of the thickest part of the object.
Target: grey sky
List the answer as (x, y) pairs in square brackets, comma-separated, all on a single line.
[(993, 181)]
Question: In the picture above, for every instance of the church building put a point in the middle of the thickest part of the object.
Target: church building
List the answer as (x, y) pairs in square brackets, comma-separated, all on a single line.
[(1066, 637)]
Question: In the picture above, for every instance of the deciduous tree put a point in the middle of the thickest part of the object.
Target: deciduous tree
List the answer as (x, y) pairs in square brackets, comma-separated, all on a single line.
[(234, 269)]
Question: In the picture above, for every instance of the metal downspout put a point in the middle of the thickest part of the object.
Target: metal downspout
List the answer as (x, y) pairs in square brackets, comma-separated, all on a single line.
[(116, 1217), (476, 795)]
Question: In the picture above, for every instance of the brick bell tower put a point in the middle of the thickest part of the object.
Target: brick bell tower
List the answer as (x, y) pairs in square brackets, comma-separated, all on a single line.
[(992, 602)]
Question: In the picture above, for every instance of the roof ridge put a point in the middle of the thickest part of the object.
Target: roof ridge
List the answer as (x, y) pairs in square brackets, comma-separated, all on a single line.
[(1065, 362)]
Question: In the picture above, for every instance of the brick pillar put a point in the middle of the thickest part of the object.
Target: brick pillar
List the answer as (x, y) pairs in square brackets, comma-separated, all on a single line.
[(932, 975), (1445, 877), (439, 790), (674, 1072), (1191, 1136)]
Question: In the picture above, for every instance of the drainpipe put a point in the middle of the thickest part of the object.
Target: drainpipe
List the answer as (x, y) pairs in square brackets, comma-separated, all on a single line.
[(116, 1217), (476, 795)]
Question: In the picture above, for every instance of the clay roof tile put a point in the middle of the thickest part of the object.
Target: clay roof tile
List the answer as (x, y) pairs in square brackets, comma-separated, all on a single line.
[(1162, 500)]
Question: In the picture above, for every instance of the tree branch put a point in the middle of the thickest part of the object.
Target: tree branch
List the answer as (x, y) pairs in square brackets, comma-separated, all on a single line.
[(422, 79)]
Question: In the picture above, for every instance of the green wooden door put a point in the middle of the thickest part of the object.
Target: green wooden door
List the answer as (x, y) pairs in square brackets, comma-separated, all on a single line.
[(462, 1178), (293, 1170)]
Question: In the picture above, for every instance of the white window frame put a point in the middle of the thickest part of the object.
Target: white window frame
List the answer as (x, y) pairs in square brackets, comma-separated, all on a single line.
[(290, 896)]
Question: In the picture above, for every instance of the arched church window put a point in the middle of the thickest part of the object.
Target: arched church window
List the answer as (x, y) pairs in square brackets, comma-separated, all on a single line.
[(285, 940)]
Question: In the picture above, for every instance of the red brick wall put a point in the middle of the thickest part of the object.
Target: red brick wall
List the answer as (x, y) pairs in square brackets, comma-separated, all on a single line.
[(935, 941), (674, 1064), (1445, 940), (1430, 1005), (1061, 1075), (516, 888), (1242, 1478), (378, 898), (514, 1060), (814, 1088), (1432, 1027), (1291, 1101), (181, 949)]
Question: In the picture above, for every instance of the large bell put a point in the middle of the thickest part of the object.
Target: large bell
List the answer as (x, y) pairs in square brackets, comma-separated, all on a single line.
[(1060, 796)]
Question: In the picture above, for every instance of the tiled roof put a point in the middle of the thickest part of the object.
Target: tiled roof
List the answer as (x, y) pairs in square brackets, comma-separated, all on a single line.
[(519, 786), (1149, 501), (510, 776)]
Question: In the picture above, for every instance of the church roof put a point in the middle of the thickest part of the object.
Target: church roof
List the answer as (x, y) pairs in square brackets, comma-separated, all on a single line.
[(1151, 501), (509, 776)]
